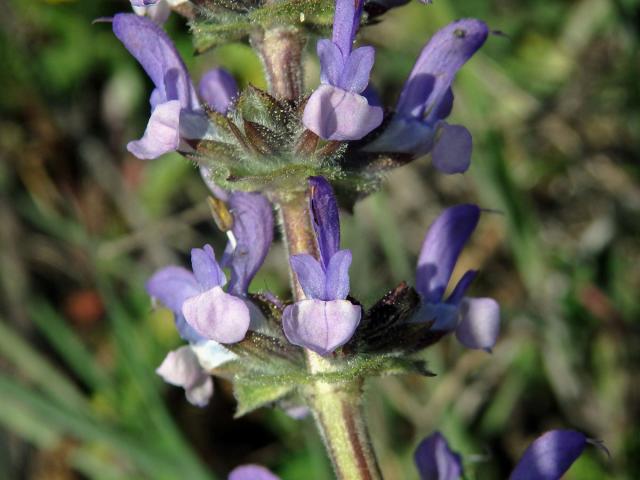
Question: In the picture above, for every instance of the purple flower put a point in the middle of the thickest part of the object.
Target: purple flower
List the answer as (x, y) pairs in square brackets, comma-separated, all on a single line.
[(475, 320), (218, 89), (252, 472), (209, 311), (337, 110), (436, 461), (205, 315), (176, 112), (325, 320), (143, 3), (201, 307), (418, 125), (550, 456), (547, 458)]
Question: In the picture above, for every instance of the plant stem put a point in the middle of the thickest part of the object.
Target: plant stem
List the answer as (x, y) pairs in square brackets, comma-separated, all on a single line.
[(337, 408), (280, 50)]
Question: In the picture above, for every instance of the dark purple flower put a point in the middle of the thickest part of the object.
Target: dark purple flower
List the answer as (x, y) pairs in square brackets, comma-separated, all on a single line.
[(475, 320), (547, 458), (252, 472), (175, 109), (436, 461), (550, 456), (337, 110), (325, 320), (426, 100)]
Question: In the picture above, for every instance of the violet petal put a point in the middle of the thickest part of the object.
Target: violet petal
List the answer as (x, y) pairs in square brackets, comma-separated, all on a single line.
[(335, 114), (445, 317), (206, 268), (550, 456), (310, 275), (345, 23), (441, 248), (252, 472), (331, 61), (253, 231), (337, 280), (326, 218), (436, 461), (447, 51), (357, 69), (162, 134), (452, 151), (218, 89), (480, 324), (184, 329), (172, 286), (321, 326), (217, 315), (461, 287), (404, 135), (157, 55)]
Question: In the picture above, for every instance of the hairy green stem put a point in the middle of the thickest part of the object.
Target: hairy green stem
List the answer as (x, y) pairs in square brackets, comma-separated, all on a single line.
[(280, 50), (337, 407)]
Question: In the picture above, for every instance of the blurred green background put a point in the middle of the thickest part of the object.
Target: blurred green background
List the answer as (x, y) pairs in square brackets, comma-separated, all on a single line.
[(554, 106)]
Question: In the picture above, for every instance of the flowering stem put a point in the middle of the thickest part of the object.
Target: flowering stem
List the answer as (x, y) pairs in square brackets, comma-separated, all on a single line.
[(280, 50), (337, 407)]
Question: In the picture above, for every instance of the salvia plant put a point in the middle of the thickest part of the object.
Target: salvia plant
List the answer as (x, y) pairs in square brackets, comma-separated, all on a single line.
[(283, 156)]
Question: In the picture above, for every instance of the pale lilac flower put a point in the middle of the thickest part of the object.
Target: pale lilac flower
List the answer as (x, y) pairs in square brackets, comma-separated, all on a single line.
[(182, 369), (325, 320), (206, 315), (476, 321), (418, 125), (252, 472), (156, 10), (337, 110), (176, 112), (205, 306), (547, 458)]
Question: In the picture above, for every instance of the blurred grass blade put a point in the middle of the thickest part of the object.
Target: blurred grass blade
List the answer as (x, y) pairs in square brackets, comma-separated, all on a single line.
[(39, 370), (66, 421), (68, 345)]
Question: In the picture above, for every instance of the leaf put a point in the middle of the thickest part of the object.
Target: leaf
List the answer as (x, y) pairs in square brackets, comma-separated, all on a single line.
[(251, 393)]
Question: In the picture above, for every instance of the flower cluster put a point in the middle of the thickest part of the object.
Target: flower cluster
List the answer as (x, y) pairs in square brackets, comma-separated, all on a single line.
[(259, 150)]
